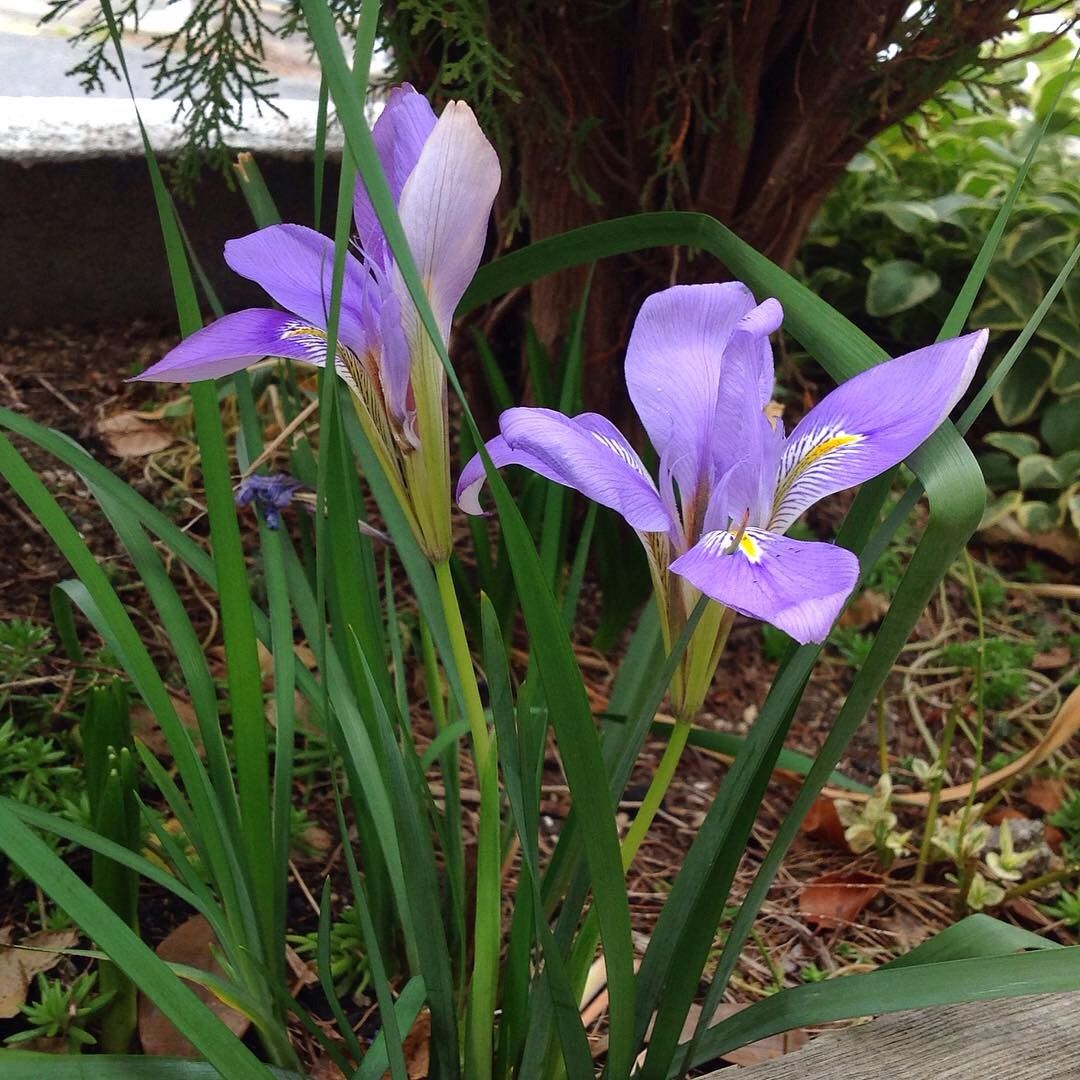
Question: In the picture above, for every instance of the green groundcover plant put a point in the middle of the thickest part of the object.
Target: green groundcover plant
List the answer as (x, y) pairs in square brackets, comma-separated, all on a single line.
[(373, 306), (897, 237)]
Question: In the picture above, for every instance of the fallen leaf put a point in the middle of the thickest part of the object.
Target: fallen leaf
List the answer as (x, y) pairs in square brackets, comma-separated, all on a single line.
[(1047, 793), (838, 897), (1052, 659), (131, 434), (146, 727), (303, 972), (868, 607), (1004, 813), (417, 1049), (1053, 837), (190, 944), (823, 823), (767, 1049), (18, 966)]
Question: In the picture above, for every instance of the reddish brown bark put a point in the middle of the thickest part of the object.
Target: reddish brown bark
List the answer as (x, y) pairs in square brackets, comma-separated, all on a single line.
[(762, 103)]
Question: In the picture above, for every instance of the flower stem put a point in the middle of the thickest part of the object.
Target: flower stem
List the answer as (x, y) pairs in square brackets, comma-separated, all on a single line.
[(661, 780), (487, 924), (459, 646)]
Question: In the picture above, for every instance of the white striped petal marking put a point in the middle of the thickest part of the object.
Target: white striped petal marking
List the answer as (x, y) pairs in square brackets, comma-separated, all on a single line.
[(811, 467)]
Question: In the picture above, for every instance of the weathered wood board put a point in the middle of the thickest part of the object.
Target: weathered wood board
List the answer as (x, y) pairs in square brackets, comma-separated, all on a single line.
[(1029, 1038)]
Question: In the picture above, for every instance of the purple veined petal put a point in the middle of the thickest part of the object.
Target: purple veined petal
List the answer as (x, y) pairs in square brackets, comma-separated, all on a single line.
[(751, 336), (797, 585), (236, 341), (872, 422), (673, 363), (399, 135), (395, 361), (473, 476), (588, 453), (295, 265), (746, 448), (444, 209)]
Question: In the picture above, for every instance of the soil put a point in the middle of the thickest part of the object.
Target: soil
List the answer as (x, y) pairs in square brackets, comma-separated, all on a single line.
[(72, 380)]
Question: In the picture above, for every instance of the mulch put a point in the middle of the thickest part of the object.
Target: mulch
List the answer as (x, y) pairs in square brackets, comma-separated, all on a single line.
[(72, 379)]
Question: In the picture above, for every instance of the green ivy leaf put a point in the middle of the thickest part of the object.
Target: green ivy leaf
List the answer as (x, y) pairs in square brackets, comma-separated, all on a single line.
[(1037, 471), (1039, 517), (1059, 427), (1020, 392), (1066, 376), (1017, 443), (1001, 507), (898, 285), (999, 470)]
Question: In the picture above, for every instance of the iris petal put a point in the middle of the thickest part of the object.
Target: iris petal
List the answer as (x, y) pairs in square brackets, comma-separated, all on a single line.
[(444, 209), (586, 453), (237, 341), (796, 585), (473, 475), (673, 363), (399, 135), (872, 422), (295, 265)]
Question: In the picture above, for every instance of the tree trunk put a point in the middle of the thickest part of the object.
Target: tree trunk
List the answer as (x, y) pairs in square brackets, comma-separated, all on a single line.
[(748, 110)]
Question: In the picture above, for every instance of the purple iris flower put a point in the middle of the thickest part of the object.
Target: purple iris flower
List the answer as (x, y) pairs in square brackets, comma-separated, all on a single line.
[(443, 175), (699, 370)]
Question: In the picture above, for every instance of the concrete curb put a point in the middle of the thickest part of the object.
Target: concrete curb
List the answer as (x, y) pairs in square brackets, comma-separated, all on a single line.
[(56, 129)]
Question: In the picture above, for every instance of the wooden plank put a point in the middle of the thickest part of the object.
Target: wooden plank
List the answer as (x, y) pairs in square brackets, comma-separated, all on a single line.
[(1029, 1038)]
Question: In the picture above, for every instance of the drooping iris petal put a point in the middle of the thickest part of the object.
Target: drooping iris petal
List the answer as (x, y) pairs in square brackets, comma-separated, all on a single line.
[(473, 475), (586, 453), (444, 209), (673, 363), (399, 135), (295, 265), (872, 422), (796, 585), (236, 341)]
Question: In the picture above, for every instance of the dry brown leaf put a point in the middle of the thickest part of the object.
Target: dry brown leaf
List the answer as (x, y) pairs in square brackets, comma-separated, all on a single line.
[(837, 898), (1052, 659), (868, 607), (302, 971), (823, 823), (773, 1046), (131, 434), (1047, 793), (145, 725), (18, 966), (1062, 728), (188, 944), (417, 1049), (1053, 837)]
